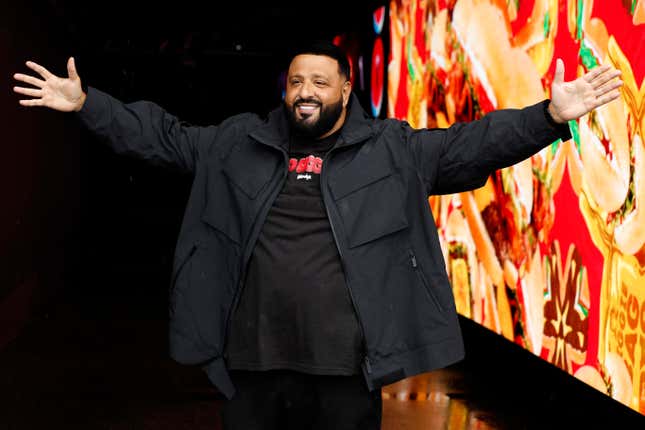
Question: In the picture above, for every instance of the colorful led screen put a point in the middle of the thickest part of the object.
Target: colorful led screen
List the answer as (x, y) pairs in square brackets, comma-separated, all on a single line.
[(550, 252)]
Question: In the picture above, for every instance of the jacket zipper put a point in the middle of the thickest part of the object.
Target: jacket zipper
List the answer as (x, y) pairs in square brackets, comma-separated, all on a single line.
[(255, 232), (431, 293), (323, 182)]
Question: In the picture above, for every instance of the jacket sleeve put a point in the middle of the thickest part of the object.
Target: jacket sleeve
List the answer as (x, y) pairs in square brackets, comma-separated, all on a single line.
[(461, 157), (144, 130)]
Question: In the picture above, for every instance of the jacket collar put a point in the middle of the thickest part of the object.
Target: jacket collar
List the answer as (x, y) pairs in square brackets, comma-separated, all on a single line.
[(275, 131)]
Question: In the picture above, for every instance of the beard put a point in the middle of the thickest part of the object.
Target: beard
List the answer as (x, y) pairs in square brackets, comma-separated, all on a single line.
[(327, 118)]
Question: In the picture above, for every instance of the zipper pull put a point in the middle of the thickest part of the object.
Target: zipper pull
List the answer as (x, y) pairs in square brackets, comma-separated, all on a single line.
[(413, 259), (368, 366)]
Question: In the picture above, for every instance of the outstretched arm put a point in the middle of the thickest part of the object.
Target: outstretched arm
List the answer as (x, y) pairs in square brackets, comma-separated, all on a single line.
[(571, 100), (62, 94), (141, 129), (461, 157)]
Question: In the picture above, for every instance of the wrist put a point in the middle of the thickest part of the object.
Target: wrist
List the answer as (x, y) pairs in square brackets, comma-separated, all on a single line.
[(553, 114), (80, 102)]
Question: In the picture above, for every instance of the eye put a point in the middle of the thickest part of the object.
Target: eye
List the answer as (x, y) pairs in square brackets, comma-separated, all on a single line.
[(320, 83)]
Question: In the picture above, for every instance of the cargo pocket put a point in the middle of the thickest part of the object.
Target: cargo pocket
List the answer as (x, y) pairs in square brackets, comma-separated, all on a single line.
[(370, 202), (233, 187), (181, 264), (429, 290)]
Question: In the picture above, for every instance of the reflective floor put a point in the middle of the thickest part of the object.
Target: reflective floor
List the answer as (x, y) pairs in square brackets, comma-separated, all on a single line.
[(71, 372), (435, 400)]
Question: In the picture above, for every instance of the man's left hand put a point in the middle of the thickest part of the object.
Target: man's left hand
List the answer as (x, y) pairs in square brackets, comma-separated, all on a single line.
[(571, 100)]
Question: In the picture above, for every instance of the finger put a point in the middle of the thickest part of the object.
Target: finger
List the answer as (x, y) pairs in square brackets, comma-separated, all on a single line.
[(558, 77), (39, 69), (29, 80), (608, 97), (28, 91), (608, 87), (71, 69), (33, 102), (605, 77), (591, 75)]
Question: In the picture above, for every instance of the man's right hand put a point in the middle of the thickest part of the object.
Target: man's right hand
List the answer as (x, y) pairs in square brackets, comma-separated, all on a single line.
[(62, 94)]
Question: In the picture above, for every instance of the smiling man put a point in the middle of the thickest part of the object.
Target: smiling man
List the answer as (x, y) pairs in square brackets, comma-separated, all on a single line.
[(318, 90), (294, 337), (308, 271)]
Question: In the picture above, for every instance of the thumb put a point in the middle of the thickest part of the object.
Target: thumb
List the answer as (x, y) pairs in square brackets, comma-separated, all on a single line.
[(71, 69), (558, 78)]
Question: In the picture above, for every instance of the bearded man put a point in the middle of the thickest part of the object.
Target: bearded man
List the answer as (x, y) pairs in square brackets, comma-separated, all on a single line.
[(308, 271)]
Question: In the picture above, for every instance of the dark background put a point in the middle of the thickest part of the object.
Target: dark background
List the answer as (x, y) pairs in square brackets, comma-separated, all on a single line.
[(83, 227), (87, 238)]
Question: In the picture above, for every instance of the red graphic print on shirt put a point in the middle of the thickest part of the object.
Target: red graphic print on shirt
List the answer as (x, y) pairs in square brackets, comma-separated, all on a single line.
[(309, 164)]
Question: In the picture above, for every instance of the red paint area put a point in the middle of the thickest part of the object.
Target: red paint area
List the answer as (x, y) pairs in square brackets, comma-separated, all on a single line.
[(569, 229), (377, 77)]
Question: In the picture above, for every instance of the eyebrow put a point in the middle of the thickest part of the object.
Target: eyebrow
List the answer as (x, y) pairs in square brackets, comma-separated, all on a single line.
[(315, 76)]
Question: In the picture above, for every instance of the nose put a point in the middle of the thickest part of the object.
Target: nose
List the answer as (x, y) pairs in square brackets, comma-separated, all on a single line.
[(306, 90)]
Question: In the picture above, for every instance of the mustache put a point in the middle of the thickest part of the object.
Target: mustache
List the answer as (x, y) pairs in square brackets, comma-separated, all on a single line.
[(307, 101)]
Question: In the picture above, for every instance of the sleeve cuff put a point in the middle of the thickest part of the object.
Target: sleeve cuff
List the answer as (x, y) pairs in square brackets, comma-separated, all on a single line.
[(562, 130), (90, 104)]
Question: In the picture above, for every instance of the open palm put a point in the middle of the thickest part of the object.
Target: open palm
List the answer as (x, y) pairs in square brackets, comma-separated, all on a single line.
[(62, 94), (570, 100)]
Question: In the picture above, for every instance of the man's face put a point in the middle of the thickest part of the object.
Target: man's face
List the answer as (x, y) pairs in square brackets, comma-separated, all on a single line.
[(316, 95)]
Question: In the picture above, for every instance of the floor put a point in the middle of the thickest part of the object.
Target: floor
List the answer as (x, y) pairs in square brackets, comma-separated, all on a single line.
[(436, 400), (99, 372)]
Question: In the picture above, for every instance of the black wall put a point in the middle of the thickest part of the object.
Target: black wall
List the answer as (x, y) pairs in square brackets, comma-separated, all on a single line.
[(93, 232), (87, 237)]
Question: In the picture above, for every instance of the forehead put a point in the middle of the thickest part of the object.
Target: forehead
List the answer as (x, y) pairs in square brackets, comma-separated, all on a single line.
[(308, 64)]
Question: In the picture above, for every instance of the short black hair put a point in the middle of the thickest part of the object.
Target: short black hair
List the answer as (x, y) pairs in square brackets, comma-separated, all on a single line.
[(326, 48)]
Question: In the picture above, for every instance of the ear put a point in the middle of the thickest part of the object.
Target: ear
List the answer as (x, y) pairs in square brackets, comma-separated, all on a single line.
[(347, 91)]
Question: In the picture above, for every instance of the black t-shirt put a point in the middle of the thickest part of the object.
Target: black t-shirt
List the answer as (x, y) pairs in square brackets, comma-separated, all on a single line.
[(295, 311)]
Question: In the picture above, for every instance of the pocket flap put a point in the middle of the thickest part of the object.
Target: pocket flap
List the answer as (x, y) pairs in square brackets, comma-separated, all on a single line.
[(250, 180), (222, 221), (373, 211), (358, 175)]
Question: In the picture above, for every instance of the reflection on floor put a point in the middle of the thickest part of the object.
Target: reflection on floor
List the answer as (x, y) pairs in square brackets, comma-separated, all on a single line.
[(434, 400), (109, 373), (500, 386)]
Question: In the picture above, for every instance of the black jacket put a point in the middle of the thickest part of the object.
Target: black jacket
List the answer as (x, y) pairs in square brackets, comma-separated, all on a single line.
[(375, 184)]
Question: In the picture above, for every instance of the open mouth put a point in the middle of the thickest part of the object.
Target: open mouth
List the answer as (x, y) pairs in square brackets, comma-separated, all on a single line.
[(305, 110)]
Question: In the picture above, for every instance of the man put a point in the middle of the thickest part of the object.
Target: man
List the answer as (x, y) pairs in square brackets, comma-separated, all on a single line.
[(308, 271)]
